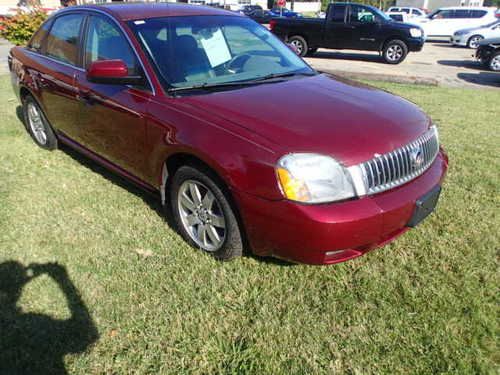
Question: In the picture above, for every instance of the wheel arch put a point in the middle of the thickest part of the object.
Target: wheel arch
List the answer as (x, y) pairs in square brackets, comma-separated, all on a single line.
[(394, 37)]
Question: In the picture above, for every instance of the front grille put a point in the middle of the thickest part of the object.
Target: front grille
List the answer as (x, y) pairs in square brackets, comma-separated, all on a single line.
[(401, 165)]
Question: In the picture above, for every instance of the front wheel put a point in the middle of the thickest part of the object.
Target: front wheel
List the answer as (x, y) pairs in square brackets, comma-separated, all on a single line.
[(495, 62), (203, 213), (395, 51), (299, 44), (474, 40)]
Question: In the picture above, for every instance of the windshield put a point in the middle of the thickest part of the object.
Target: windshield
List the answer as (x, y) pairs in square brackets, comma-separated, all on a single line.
[(207, 50)]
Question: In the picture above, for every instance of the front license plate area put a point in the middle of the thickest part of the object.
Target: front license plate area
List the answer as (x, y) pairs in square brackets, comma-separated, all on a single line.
[(424, 206)]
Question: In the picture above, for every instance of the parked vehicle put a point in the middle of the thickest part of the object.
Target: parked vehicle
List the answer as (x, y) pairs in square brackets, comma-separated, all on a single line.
[(411, 12), (261, 16), (444, 22), (472, 36), (248, 9), (488, 53), (284, 12), (201, 106), (351, 26), (398, 16)]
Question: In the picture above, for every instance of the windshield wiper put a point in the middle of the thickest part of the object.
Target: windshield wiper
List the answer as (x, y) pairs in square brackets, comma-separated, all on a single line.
[(246, 82)]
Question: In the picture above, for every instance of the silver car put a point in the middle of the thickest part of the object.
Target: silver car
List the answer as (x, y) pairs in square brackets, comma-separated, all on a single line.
[(472, 36)]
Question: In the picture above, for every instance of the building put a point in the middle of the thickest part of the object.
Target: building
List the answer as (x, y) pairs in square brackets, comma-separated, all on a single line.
[(435, 4)]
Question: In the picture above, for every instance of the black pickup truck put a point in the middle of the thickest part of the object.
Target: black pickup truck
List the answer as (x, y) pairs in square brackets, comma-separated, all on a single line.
[(351, 26)]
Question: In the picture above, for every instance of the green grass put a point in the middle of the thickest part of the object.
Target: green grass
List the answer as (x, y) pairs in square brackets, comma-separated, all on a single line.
[(428, 303)]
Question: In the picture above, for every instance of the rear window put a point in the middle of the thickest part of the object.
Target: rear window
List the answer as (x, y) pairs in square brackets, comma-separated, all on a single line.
[(62, 42), (338, 13), (478, 13), (462, 13)]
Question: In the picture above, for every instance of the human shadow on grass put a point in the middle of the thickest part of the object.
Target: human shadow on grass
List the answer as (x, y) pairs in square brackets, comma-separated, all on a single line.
[(152, 199), (32, 343)]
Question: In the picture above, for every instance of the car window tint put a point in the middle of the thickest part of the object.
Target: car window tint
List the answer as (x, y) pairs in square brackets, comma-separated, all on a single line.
[(462, 13), (478, 13), (62, 41), (444, 14), (361, 14), (36, 41), (338, 13), (106, 42)]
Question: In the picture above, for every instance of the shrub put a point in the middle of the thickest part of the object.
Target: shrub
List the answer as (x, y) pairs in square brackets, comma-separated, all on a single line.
[(19, 28)]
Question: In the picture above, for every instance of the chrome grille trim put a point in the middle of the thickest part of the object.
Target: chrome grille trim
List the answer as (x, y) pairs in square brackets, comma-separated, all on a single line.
[(402, 164)]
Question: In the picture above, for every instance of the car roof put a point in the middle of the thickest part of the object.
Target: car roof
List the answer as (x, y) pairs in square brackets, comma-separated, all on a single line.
[(468, 8), (141, 10)]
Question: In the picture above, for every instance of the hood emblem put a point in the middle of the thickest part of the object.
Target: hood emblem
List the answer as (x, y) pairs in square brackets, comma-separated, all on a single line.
[(416, 157)]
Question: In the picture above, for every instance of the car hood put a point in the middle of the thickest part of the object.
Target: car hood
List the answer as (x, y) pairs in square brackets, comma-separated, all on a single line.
[(347, 120)]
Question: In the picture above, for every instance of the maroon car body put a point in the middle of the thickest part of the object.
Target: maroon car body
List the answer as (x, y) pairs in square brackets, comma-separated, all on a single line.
[(241, 134)]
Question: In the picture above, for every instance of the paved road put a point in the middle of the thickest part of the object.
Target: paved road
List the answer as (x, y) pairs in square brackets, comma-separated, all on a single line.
[(437, 63), (4, 52)]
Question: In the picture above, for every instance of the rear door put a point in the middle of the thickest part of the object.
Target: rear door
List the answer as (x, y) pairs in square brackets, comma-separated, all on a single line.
[(338, 32), (111, 121), (58, 61)]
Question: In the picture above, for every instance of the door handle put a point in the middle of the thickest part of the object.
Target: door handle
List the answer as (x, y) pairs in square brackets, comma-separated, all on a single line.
[(85, 96)]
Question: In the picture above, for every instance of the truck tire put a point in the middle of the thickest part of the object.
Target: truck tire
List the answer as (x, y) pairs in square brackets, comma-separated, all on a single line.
[(299, 44), (394, 51)]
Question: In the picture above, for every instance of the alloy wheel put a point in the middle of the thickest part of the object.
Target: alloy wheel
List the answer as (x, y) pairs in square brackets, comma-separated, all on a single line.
[(36, 123), (495, 63), (201, 215), (394, 52), (299, 48), (474, 41)]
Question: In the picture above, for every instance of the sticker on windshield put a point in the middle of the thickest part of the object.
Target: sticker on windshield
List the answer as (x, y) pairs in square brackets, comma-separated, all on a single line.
[(139, 22), (216, 48)]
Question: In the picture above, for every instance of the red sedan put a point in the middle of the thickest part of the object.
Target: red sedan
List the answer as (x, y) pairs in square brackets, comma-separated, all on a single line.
[(247, 146)]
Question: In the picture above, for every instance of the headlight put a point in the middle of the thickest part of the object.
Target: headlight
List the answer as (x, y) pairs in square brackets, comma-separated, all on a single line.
[(313, 178), (415, 32)]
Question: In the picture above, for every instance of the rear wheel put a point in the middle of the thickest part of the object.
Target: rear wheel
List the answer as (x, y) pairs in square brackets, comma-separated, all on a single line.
[(395, 51), (203, 213), (37, 125), (495, 62), (474, 40), (299, 44)]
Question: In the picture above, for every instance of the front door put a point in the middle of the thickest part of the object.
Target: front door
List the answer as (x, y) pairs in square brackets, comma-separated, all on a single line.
[(365, 28), (112, 122)]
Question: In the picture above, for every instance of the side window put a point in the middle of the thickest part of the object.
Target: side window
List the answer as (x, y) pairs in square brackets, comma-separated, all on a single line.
[(361, 14), (478, 13), (37, 39), (443, 14), (462, 13), (62, 42), (338, 13), (106, 42)]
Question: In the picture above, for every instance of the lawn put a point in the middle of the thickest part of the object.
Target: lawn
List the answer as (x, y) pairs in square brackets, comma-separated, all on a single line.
[(427, 303)]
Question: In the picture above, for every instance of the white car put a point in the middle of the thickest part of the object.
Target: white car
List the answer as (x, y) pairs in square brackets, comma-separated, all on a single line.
[(411, 12), (444, 22), (398, 16), (471, 37)]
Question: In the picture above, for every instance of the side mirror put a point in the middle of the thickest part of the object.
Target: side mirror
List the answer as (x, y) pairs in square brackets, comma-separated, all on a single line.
[(112, 72)]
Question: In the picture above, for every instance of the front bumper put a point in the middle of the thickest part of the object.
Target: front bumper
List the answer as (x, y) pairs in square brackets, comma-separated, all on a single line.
[(416, 44), (459, 40), (336, 232)]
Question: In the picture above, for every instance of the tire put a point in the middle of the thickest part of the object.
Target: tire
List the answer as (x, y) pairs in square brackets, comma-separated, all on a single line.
[(311, 51), (299, 44), (473, 41), (213, 228), (37, 125), (394, 51), (494, 63)]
